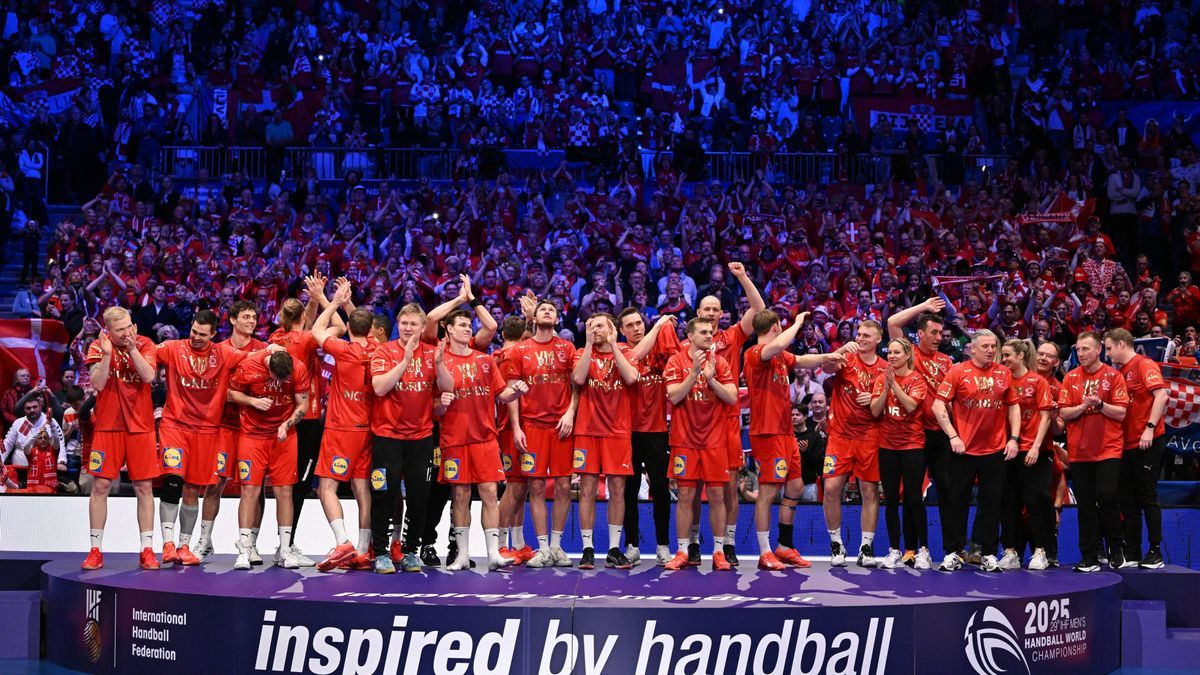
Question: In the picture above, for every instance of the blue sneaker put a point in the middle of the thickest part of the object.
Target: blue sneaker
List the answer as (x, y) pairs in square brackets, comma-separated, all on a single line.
[(383, 564), (410, 563)]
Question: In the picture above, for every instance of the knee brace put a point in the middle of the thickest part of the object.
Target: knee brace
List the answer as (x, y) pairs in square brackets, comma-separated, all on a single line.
[(172, 489)]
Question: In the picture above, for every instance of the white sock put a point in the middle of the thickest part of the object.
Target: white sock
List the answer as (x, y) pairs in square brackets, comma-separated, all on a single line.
[(97, 537), (730, 533), (461, 537), (493, 542), (206, 528), (167, 513), (694, 537), (517, 535), (835, 536), (764, 542), (718, 544), (187, 522), (587, 538), (285, 537), (396, 534), (364, 541), (868, 538), (614, 536), (245, 538), (254, 536), (148, 539), (683, 544), (556, 539), (544, 543), (339, 531)]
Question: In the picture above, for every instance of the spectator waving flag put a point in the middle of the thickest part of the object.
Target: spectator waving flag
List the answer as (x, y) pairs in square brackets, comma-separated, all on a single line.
[(1183, 408), (36, 344)]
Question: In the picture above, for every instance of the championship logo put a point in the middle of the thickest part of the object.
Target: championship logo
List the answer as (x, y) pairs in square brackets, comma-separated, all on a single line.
[(340, 466), (96, 461), (379, 479), (245, 466), (222, 461), (91, 625), (992, 645), (450, 469), (781, 467), (679, 465), (579, 459), (172, 458), (528, 461)]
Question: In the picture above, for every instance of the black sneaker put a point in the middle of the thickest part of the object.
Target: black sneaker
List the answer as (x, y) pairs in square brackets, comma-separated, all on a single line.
[(974, 555), (452, 554), (1116, 559), (588, 561), (1053, 562), (1153, 559), (730, 556), (1088, 565), (693, 555), (429, 557), (617, 559)]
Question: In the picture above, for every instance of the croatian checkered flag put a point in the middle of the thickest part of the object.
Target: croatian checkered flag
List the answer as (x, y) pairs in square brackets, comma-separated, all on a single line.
[(1183, 403)]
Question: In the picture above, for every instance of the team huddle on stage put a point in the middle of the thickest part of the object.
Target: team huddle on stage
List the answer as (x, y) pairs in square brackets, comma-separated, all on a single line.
[(432, 408)]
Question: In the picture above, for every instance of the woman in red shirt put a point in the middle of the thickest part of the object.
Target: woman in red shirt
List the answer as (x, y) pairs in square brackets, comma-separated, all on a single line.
[(1027, 485)]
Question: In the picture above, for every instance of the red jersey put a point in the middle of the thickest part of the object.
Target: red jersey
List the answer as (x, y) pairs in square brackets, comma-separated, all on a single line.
[(507, 371), (605, 403), (231, 413), (546, 368), (303, 347), (1142, 378), (770, 392), (1033, 396), (1093, 437), (848, 419), (196, 382), (898, 428), (351, 395), (406, 412), (979, 400), (650, 391), (933, 368), (699, 420), (254, 379), (471, 417), (729, 347), (124, 404)]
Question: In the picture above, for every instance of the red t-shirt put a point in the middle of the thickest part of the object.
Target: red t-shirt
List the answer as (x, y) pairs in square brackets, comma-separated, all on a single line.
[(1094, 437), (196, 383), (699, 420), (979, 400), (604, 402), (898, 428), (848, 419), (471, 417), (1033, 396), (933, 368), (406, 412), (303, 347), (254, 379), (231, 413), (770, 395), (650, 391), (1142, 378), (351, 395), (124, 404), (546, 368)]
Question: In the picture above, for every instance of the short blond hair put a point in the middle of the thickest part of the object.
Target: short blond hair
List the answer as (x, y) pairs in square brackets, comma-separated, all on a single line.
[(115, 314)]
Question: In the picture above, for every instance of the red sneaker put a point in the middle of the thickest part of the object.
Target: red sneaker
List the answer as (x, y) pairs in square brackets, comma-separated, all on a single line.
[(680, 561), (343, 552), (170, 555), (792, 557), (363, 562), (768, 561), (524, 555), (506, 552), (94, 560), (719, 563), (397, 552), (186, 557), (147, 561)]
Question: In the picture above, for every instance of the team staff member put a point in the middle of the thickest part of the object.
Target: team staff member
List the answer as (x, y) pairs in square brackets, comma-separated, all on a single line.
[(1094, 402), (273, 393), (470, 452), (1144, 444), (122, 367), (897, 399), (1028, 477), (604, 374), (985, 407), (853, 446), (1048, 359), (699, 384)]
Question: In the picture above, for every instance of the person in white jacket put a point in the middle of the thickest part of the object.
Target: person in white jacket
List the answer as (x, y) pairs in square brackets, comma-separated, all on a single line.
[(19, 440)]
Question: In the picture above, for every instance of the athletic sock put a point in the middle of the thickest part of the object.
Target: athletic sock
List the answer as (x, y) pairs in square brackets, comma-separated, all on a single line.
[(148, 539), (285, 537), (556, 539), (587, 538), (730, 534), (462, 538), (493, 542), (97, 537), (683, 544), (339, 531), (694, 535), (188, 513), (364, 541), (544, 543), (167, 513), (718, 544), (785, 536), (868, 538), (516, 534), (764, 542), (254, 537), (206, 528), (396, 534), (614, 536), (245, 538), (835, 536)]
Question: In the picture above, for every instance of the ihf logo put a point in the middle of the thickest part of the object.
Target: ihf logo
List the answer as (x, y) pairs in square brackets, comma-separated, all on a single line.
[(91, 626), (992, 645)]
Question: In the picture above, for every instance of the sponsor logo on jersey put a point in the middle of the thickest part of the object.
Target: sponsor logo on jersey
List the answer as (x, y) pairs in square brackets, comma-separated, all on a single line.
[(679, 465), (172, 458), (507, 460), (245, 467), (579, 459), (222, 461), (340, 466), (781, 467), (830, 465), (450, 469), (96, 461), (528, 461), (379, 479)]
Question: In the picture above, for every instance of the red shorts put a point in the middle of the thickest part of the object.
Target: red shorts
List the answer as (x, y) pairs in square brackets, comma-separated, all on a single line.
[(345, 455), (191, 454), (259, 457), (778, 457), (509, 459), (603, 455), (691, 465), (227, 444), (546, 455), (472, 463), (112, 450), (733, 441), (844, 456)]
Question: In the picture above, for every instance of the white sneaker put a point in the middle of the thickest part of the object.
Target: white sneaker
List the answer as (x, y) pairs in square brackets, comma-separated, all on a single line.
[(663, 555), (495, 563), (1010, 561), (255, 558), (462, 562), (203, 549), (243, 559), (289, 559), (837, 554), (892, 561), (302, 559), (539, 560), (990, 564), (1039, 561), (560, 558), (951, 562), (865, 557), (923, 561), (633, 555)]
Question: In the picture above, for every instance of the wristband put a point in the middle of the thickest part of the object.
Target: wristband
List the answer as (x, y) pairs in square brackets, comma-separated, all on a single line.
[(475, 303), (954, 437), (1013, 438), (1151, 425)]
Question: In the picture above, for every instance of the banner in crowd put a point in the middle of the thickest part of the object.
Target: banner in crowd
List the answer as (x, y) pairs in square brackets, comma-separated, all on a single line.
[(36, 344), (1063, 210), (19, 106), (1183, 409), (932, 116), (759, 222)]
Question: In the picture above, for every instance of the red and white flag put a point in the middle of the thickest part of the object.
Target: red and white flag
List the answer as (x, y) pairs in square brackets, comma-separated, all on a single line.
[(36, 344)]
